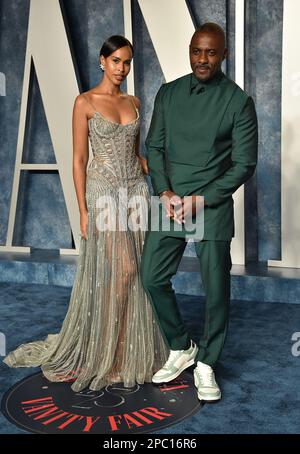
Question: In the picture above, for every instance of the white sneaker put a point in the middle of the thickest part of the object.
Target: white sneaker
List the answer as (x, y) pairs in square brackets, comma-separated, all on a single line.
[(178, 361), (205, 382)]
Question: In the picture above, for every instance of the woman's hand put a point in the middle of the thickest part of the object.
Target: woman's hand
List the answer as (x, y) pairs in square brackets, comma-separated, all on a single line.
[(84, 223), (144, 165)]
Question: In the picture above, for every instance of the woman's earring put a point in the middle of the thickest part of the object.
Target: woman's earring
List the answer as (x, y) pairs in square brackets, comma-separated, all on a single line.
[(102, 67)]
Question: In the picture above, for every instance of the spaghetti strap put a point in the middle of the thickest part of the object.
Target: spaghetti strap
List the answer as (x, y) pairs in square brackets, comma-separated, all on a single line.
[(83, 94), (136, 109)]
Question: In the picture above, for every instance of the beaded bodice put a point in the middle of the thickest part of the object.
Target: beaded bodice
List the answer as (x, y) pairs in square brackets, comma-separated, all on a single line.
[(113, 146)]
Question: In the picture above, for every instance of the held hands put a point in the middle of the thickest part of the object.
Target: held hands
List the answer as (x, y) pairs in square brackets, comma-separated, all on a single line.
[(83, 224), (178, 208)]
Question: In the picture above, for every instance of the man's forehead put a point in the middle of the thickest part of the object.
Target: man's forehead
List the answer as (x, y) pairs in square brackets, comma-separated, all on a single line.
[(206, 40)]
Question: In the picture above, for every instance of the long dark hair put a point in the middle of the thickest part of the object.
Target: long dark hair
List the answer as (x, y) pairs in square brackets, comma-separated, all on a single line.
[(114, 43)]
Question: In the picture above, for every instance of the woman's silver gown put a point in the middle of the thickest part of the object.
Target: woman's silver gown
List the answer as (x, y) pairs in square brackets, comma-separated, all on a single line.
[(109, 333)]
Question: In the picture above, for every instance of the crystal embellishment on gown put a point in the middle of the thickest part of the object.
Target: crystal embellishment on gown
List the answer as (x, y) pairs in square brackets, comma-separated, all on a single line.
[(109, 333)]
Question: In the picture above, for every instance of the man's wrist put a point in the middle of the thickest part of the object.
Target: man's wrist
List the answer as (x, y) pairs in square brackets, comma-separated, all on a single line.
[(163, 192)]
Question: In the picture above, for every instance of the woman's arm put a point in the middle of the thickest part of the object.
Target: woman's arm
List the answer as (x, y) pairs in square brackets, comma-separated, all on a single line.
[(80, 158), (143, 161)]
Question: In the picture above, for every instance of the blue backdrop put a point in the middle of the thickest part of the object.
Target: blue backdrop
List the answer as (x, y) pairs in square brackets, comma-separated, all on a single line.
[(42, 218)]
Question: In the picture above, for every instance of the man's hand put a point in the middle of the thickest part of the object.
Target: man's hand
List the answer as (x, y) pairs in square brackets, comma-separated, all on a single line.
[(179, 209), (190, 206), (171, 203)]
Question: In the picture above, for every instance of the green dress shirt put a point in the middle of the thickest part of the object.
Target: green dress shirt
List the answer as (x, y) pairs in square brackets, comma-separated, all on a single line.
[(203, 140)]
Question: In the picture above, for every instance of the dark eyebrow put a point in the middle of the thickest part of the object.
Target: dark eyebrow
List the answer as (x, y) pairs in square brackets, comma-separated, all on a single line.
[(199, 48), (118, 58)]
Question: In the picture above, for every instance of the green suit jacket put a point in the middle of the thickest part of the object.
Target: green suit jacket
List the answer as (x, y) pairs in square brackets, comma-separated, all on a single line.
[(203, 140)]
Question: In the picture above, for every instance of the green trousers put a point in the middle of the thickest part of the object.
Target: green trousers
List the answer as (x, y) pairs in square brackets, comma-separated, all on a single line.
[(160, 260)]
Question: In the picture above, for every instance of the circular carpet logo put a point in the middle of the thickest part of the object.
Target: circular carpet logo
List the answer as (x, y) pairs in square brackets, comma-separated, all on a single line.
[(40, 406)]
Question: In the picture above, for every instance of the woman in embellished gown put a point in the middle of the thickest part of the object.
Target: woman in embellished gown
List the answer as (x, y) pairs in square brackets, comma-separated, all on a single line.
[(109, 333)]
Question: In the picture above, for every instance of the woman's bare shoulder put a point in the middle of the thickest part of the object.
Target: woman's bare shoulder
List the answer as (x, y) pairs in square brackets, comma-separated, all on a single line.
[(80, 100), (136, 101), (85, 96), (84, 101)]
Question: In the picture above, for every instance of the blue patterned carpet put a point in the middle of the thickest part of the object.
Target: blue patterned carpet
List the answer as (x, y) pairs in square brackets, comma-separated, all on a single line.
[(258, 374)]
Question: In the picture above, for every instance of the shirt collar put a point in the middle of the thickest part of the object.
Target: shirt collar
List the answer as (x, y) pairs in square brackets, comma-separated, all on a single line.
[(198, 86)]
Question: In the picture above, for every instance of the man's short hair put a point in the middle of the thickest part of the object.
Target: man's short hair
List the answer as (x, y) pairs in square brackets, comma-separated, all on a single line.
[(214, 29)]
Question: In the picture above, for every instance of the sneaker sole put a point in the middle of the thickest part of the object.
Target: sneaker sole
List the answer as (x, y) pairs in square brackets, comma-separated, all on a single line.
[(172, 377), (208, 399)]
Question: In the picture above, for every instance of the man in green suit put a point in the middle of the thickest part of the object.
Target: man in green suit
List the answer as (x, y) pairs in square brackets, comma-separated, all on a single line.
[(202, 146)]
